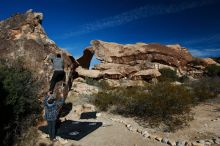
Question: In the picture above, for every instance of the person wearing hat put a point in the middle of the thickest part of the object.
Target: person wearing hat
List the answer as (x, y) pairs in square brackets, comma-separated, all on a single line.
[(51, 112)]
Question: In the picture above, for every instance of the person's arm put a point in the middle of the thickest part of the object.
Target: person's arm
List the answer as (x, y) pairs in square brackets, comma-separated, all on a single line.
[(51, 57), (45, 100), (63, 62), (61, 101)]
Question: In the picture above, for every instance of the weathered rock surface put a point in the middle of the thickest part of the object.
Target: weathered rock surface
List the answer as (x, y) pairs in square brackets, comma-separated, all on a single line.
[(84, 89), (146, 74), (85, 60), (138, 61), (209, 61), (22, 36), (173, 55), (88, 73)]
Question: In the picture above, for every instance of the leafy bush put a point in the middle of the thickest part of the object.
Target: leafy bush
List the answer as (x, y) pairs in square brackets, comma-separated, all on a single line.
[(29, 138), (157, 103), (183, 78), (18, 100), (168, 74), (91, 81), (107, 98), (205, 88), (213, 70), (101, 83)]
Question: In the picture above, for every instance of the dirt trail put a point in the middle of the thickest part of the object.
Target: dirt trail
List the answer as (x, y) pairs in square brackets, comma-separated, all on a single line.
[(110, 134), (115, 134), (206, 125)]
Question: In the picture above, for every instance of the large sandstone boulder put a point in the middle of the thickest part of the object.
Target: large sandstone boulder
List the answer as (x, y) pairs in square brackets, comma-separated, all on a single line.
[(210, 61), (80, 88), (138, 61), (172, 55), (142, 61), (22, 36), (146, 74), (85, 60), (123, 69), (88, 73)]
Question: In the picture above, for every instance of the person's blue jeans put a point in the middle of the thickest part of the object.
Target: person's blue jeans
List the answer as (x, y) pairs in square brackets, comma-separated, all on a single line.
[(52, 129)]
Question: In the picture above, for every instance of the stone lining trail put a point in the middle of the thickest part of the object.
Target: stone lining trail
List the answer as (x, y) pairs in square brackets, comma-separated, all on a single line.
[(164, 140)]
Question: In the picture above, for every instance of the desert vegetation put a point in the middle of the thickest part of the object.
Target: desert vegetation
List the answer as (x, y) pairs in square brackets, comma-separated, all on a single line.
[(19, 103), (170, 75), (162, 103), (212, 70)]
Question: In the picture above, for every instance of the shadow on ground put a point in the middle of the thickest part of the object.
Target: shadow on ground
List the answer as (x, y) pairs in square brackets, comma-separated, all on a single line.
[(74, 130), (88, 115), (65, 110)]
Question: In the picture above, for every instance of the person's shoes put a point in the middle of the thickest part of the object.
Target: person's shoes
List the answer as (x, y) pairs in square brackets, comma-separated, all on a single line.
[(54, 140)]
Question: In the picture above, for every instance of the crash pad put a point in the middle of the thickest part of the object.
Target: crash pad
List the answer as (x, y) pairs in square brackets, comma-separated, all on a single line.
[(74, 130)]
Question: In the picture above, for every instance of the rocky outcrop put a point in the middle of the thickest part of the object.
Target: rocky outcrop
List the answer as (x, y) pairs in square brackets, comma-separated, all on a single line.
[(82, 88), (85, 60), (139, 61), (210, 61), (88, 73), (22, 36), (132, 54), (146, 74)]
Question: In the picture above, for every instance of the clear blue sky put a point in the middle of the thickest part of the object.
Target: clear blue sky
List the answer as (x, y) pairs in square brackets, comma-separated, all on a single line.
[(72, 24)]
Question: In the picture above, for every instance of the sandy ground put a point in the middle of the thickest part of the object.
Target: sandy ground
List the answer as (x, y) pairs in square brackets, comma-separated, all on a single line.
[(115, 134), (206, 124), (110, 134)]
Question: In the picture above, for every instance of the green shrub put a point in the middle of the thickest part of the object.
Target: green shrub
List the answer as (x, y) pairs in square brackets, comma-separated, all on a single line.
[(213, 70), (206, 88), (157, 103), (103, 84), (168, 74), (18, 100), (91, 81), (29, 138), (183, 78)]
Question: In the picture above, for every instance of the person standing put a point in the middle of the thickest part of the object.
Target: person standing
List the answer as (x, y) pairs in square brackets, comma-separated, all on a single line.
[(58, 67), (52, 106)]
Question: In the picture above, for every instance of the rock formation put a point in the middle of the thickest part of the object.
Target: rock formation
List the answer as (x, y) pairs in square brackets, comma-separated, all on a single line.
[(137, 61), (132, 54), (22, 36), (85, 60)]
